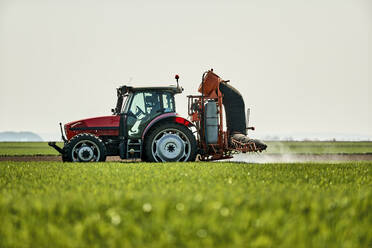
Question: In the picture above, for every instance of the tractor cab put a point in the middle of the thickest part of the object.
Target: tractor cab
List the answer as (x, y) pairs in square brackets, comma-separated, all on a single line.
[(142, 105)]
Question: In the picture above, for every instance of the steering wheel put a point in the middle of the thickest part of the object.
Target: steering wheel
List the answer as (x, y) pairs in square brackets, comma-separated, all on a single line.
[(139, 111)]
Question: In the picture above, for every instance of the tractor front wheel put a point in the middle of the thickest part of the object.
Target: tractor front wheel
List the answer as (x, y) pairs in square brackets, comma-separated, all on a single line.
[(85, 148), (170, 142)]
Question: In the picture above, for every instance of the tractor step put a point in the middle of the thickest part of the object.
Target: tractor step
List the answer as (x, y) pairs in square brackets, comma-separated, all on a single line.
[(134, 149)]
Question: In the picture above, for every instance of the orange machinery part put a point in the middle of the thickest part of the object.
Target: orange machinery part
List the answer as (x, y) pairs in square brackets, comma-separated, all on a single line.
[(210, 90), (211, 85)]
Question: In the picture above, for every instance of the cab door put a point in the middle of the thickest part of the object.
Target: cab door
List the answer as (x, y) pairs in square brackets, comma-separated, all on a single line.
[(144, 107)]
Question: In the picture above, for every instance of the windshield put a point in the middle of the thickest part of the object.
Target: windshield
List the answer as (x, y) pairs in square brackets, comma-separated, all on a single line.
[(124, 105), (122, 100)]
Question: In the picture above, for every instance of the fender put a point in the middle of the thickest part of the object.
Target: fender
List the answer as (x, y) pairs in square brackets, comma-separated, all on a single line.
[(171, 116)]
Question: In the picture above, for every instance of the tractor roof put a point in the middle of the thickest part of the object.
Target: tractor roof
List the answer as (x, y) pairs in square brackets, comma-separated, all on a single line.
[(172, 89)]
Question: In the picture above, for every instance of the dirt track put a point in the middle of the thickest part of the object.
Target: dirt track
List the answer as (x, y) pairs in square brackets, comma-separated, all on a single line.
[(41, 158), (263, 158)]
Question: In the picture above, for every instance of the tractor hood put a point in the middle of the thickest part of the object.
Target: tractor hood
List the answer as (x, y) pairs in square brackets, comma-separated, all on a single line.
[(103, 125)]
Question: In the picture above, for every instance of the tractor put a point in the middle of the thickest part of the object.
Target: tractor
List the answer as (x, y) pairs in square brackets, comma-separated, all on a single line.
[(144, 125)]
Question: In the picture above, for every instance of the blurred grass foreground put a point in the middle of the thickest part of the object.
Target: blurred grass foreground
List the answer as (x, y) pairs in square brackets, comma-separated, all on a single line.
[(45, 204)]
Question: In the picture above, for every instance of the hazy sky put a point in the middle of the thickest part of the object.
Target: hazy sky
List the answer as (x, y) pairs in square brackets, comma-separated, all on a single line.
[(302, 66)]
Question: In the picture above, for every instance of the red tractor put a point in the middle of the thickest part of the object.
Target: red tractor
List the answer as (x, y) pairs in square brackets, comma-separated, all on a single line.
[(144, 125)]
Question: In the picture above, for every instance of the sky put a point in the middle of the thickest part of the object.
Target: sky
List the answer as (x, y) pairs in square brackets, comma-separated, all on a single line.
[(303, 67)]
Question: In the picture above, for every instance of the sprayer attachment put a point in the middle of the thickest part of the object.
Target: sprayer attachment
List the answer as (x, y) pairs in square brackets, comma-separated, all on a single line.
[(241, 139)]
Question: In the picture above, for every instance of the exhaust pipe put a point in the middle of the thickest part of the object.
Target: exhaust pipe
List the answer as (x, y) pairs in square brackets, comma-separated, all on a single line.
[(62, 134)]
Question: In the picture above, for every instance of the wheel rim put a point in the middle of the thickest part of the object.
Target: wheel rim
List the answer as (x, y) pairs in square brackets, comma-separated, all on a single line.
[(85, 151), (171, 145)]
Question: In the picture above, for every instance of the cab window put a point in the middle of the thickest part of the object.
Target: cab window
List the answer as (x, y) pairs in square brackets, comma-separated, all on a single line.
[(144, 107), (168, 102), (138, 104), (153, 103)]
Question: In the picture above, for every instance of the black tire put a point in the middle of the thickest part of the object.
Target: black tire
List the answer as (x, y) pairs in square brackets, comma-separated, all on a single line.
[(64, 156), (94, 149), (167, 137)]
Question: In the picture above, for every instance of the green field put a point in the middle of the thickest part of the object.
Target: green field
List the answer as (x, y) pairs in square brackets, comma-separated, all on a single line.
[(274, 147), (26, 148), (45, 204)]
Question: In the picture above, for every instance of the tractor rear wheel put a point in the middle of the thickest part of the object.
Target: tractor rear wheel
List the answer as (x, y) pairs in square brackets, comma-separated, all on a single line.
[(85, 148), (170, 142)]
